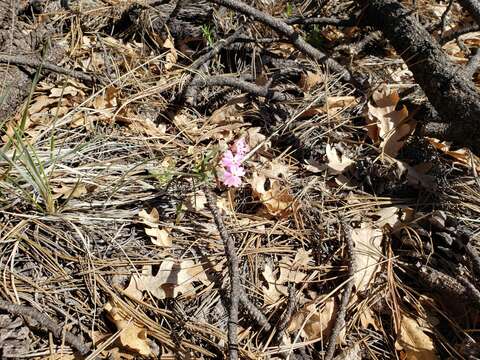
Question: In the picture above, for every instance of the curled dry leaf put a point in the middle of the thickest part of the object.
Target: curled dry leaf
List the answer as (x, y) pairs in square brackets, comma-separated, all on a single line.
[(336, 163), (277, 200), (158, 236), (173, 278), (291, 271), (386, 124), (172, 56), (132, 336), (462, 156), (69, 191), (309, 80), (413, 342), (367, 256), (314, 321)]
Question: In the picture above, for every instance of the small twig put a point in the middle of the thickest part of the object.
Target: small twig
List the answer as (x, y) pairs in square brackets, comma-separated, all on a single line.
[(35, 63), (472, 64), (453, 34), (222, 80), (290, 308), (340, 320), (253, 311), (475, 260), (323, 21), (443, 20), (473, 8), (471, 290), (287, 31), (45, 322), (233, 269)]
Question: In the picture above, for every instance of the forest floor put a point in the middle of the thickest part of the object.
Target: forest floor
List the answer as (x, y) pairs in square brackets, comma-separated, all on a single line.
[(356, 236)]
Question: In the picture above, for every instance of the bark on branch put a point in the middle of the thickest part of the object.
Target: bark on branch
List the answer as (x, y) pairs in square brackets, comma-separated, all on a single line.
[(453, 95)]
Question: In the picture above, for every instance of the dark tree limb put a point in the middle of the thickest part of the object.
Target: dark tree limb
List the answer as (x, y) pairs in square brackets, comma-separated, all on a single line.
[(473, 8), (46, 323), (36, 63), (287, 31), (234, 273), (222, 80), (455, 33), (324, 21), (340, 320), (472, 64), (454, 96)]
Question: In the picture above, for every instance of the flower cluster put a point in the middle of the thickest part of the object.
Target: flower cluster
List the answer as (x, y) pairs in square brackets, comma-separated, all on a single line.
[(232, 163)]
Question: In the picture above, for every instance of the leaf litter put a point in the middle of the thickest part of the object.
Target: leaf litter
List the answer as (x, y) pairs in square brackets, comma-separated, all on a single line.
[(128, 251)]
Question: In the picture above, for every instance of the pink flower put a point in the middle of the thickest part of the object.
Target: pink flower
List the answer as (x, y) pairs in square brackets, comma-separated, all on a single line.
[(230, 179), (229, 160), (232, 163), (241, 147)]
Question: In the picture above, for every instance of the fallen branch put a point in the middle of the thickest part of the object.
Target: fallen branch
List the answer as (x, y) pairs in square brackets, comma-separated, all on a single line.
[(222, 80), (455, 98), (35, 63), (472, 64), (44, 321), (453, 34), (284, 29), (234, 272), (253, 311), (340, 320), (473, 8), (323, 21)]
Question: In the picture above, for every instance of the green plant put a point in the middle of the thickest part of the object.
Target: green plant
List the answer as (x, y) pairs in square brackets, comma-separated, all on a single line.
[(289, 10), (315, 37), (207, 32)]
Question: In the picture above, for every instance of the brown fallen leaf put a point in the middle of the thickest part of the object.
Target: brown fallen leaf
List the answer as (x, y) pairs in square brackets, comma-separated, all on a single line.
[(367, 256), (387, 125), (413, 341), (158, 236), (132, 336), (314, 321), (172, 279), (336, 163), (462, 156), (172, 56), (70, 191)]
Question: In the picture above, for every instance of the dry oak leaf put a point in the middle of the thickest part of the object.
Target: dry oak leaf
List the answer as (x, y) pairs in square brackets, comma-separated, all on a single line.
[(132, 336), (309, 80), (385, 123), (172, 56), (412, 340), (367, 254), (336, 163), (69, 191), (313, 320), (290, 272), (173, 278), (158, 236), (462, 156)]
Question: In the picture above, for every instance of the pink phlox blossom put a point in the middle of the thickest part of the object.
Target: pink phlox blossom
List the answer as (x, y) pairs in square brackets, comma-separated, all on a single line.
[(232, 163), (231, 180), (241, 147), (229, 160)]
